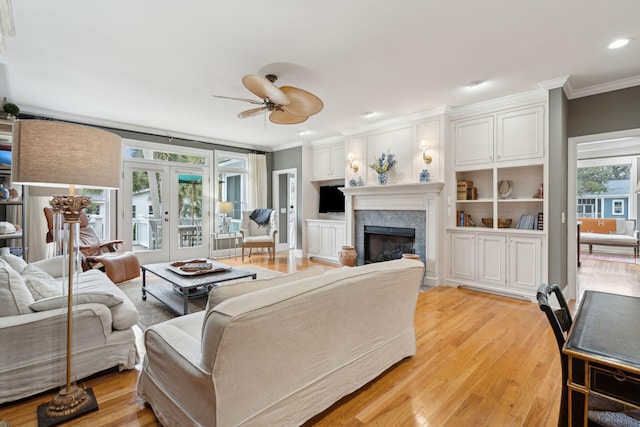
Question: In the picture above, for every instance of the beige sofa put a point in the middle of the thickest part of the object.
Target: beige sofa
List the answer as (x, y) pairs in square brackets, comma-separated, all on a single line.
[(33, 321), (283, 351), (609, 232)]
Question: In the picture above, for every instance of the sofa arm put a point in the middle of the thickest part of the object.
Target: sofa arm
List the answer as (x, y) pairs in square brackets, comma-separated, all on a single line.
[(37, 336)]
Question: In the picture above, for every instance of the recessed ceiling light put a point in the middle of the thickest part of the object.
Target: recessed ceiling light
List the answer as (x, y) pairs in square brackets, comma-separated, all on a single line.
[(619, 43), (474, 84)]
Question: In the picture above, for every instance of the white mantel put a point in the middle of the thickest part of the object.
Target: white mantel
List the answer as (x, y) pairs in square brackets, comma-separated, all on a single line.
[(413, 196), (409, 196)]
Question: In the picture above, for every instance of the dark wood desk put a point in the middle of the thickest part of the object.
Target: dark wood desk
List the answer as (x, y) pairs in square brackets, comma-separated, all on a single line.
[(603, 349)]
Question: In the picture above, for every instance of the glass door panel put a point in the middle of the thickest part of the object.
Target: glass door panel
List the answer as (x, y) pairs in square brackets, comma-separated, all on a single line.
[(144, 212), (190, 197)]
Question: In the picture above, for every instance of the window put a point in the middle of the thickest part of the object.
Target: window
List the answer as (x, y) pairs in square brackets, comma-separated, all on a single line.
[(98, 210), (617, 207), (588, 208), (167, 156), (232, 171)]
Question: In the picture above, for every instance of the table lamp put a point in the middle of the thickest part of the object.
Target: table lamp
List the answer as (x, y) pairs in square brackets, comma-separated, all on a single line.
[(56, 154), (225, 208)]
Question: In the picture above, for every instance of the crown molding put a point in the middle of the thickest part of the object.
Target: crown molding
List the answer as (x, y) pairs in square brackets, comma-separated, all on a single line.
[(328, 141), (605, 87), (287, 146), (396, 121), (536, 95), (76, 118)]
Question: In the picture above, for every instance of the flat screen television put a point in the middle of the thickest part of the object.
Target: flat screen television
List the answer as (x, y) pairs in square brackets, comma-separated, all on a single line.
[(331, 199)]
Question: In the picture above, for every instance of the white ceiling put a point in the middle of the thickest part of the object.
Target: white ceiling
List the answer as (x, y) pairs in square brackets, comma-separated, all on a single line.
[(153, 64)]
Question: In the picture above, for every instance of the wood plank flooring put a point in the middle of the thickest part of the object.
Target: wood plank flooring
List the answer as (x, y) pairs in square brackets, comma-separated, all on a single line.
[(482, 360)]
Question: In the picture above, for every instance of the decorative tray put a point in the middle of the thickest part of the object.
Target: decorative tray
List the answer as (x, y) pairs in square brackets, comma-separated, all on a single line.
[(195, 267)]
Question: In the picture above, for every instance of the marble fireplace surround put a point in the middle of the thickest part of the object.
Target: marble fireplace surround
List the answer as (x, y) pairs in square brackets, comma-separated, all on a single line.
[(393, 204)]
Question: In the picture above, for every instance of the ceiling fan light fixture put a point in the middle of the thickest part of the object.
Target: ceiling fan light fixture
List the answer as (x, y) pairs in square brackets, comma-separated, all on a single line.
[(287, 104)]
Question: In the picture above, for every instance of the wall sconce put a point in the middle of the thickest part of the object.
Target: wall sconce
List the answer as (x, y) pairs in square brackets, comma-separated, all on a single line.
[(352, 165), (424, 146)]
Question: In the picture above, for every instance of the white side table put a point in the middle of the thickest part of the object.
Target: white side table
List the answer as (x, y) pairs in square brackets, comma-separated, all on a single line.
[(233, 239)]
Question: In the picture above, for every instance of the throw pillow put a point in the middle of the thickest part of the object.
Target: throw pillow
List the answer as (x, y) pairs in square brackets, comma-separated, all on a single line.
[(52, 303), (40, 283), (15, 262), (223, 292), (14, 295)]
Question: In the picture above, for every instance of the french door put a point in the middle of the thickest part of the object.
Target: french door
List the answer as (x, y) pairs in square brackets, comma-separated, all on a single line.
[(166, 214)]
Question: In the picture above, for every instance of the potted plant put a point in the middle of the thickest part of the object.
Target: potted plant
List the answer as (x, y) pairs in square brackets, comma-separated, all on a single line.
[(11, 110)]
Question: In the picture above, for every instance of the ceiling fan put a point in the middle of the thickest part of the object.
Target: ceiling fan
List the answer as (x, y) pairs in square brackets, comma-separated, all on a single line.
[(288, 105)]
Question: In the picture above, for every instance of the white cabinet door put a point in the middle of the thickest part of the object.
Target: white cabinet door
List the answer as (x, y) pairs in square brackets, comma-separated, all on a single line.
[(463, 256), (327, 240), (321, 163), (329, 162), (520, 134), (525, 262), (492, 258), (339, 238), (338, 161), (313, 238), (474, 141)]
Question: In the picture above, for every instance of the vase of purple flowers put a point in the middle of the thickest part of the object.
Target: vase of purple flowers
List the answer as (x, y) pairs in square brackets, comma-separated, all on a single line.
[(381, 165)]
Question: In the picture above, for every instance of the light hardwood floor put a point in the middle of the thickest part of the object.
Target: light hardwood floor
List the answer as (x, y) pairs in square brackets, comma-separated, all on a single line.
[(482, 360)]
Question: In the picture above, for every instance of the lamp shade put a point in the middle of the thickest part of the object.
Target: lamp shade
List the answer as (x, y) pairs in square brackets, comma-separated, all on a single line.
[(225, 207), (55, 154)]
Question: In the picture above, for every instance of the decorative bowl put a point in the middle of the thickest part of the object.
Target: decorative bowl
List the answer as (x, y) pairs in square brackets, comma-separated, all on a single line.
[(502, 222)]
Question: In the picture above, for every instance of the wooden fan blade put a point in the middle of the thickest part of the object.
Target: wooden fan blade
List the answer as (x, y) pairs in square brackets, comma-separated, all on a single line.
[(253, 101), (264, 89), (302, 103), (252, 112), (285, 118)]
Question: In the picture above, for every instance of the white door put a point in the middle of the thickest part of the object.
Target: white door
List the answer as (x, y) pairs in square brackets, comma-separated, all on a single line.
[(166, 215), (284, 196)]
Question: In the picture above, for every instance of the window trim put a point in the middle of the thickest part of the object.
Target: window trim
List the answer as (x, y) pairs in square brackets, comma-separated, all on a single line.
[(613, 207)]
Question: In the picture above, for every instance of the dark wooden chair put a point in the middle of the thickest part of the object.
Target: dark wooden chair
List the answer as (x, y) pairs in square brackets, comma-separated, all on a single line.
[(602, 412), (560, 321)]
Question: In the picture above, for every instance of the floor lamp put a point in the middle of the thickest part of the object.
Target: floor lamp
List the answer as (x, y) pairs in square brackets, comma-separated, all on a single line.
[(56, 154)]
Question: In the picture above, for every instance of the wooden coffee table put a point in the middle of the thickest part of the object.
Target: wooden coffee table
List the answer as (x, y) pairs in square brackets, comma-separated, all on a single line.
[(179, 288)]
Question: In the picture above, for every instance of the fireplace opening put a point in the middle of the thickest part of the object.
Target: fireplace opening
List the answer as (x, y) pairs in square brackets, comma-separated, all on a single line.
[(387, 243)]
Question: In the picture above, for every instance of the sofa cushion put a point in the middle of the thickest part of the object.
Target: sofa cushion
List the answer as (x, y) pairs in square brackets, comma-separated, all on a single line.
[(223, 292), (124, 315), (15, 297), (40, 283), (60, 301), (15, 262)]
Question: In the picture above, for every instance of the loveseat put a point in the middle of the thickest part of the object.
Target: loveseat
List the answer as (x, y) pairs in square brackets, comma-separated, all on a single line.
[(609, 232), (33, 325), (279, 351)]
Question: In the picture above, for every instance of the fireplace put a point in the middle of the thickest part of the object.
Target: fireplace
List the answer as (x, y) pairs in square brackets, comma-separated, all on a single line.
[(387, 243), (403, 205)]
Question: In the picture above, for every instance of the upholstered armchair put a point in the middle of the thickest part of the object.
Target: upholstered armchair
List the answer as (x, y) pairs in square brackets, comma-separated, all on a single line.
[(258, 228)]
